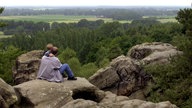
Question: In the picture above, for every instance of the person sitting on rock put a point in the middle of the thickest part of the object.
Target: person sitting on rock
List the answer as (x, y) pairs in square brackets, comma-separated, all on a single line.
[(49, 48), (51, 68)]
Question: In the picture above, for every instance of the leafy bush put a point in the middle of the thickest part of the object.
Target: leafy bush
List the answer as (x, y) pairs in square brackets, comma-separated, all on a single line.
[(7, 61), (87, 70), (74, 64), (173, 81), (66, 54)]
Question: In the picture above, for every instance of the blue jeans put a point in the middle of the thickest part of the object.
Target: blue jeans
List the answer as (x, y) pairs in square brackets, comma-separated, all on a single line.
[(65, 68)]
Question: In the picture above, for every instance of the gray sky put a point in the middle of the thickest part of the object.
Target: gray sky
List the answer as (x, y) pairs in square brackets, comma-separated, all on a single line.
[(95, 2)]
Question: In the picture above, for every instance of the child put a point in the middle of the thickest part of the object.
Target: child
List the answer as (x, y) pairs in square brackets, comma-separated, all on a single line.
[(48, 51)]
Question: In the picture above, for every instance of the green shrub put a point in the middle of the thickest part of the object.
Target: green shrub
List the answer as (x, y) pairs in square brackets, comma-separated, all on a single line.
[(173, 81), (7, 61), (66, 54), (87, 70), (74, 64)]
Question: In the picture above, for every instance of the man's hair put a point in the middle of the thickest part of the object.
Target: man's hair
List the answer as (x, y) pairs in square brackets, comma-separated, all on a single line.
[(54, 50), (49, 46)]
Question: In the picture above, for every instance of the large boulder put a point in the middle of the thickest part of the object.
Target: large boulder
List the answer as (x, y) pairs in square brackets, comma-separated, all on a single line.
[(44, 94), (135, 103), (125, 75), (27, 66), (81, 103), (153, 53), (8, 95), (113, 101), (75, 94)]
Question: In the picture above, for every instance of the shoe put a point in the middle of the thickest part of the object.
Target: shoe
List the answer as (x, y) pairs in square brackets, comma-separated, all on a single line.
[(72, 78)]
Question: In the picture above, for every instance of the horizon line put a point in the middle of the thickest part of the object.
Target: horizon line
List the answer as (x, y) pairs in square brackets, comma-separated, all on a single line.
[(99, 6)]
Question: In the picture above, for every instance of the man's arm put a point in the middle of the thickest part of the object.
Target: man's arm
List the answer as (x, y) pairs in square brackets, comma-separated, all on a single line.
[(57, 64)]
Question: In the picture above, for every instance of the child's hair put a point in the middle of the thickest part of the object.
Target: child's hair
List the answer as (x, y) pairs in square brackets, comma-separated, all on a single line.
[(49, 46)]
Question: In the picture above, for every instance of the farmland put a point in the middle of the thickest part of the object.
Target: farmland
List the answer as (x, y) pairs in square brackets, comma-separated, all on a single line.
[(75, 19), (162, 19), (4, 36), (54, 18), (165, 20)]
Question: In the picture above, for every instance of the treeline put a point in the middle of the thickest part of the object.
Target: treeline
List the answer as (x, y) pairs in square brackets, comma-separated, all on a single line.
[(30, 27), (115, 13)]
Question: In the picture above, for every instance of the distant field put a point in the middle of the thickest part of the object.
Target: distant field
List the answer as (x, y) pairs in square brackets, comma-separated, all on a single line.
[(4, 36), (53, 18), (72, 19), (163, 19), (167, 20)]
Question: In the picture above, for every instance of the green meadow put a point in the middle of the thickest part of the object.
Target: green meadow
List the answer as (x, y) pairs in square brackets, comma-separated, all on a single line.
[(53, 18), (163, 19), (74, 19), (4, 36)]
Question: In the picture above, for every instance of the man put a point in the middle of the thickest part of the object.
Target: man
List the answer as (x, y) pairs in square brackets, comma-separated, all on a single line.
[(51, 68)]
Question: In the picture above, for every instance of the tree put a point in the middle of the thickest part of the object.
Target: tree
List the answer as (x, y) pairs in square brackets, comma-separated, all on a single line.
[(75, 65), (83, 23), (66, 55), (185, 17), (115, 51), (173, 81), (101, 54), (87, 70), (112, 29), (7, 61), (1, 10), (2, 24)]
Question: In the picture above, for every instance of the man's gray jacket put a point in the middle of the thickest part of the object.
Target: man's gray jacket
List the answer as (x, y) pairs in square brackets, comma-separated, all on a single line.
[(46, 70)]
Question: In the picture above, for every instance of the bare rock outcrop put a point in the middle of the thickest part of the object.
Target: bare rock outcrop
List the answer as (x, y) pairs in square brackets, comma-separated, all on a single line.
[(8, 96), (27, 66), (75, 94), (153, 53), (113, 101), (44, 94), (81, 103), (135, 103), (125, 75)]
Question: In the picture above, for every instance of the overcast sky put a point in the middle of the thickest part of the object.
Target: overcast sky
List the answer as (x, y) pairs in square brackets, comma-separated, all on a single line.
[(95, 2)]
